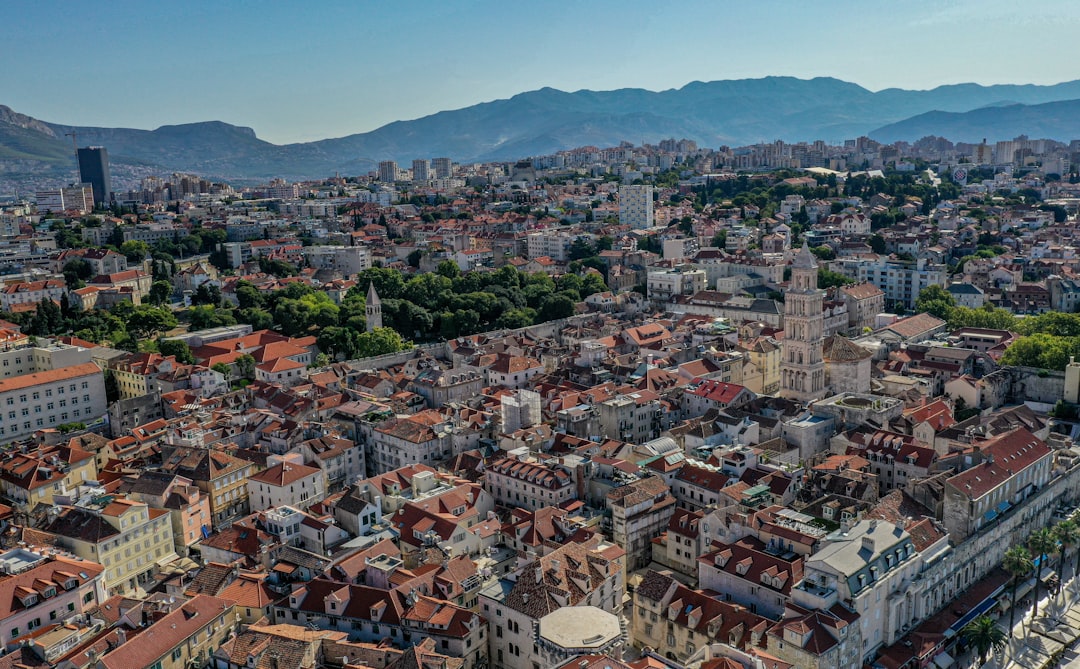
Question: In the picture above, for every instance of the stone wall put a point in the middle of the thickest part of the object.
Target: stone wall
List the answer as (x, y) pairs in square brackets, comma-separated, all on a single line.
[(1038, 385)]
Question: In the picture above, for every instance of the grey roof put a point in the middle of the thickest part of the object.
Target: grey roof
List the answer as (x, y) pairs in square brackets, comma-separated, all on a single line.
[(963, 289), (805, 259), (860, 562)]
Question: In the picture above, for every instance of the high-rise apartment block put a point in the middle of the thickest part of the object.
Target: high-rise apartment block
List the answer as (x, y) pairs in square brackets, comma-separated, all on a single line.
[(94, 170), (388, 171), (78, 197), (444, 168), (636, 206), (420, 169)]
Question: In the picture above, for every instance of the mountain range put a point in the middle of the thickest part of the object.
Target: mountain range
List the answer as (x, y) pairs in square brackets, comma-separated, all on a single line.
[(731, 112)]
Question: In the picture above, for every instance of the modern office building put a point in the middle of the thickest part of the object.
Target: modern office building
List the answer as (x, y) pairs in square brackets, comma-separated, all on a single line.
[(94, 170)]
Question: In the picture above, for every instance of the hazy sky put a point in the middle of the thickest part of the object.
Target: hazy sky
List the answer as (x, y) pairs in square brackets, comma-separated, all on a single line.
[(298, 71)]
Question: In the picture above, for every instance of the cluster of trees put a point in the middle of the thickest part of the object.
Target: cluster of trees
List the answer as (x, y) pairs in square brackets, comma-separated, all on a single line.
[(123, 326), (449, 303), (1048, 340), (443, 304)]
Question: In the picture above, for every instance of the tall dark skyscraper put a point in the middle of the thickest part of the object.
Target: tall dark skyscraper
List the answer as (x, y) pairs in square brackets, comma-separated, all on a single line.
[(94, 170)]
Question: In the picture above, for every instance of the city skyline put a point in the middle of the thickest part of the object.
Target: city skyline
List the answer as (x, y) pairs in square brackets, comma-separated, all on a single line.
[(255, 66)]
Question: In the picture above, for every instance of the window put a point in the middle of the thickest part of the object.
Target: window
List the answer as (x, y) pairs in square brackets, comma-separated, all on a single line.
[(14, 632), (177, 654)]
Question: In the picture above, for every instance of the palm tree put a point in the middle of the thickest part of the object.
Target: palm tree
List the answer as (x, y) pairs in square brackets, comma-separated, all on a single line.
[(1041, 542), (1018, 563), (984, 635), (1076, 568), (1067, 533)]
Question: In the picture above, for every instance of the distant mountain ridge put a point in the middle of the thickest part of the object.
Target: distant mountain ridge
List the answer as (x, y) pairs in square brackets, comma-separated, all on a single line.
[(732, 112)]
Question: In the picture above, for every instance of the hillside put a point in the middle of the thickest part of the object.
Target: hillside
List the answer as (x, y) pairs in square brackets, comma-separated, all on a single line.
[(733, 112)]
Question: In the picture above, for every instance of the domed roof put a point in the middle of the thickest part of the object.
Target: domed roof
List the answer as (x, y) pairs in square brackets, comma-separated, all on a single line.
[(842, 349)]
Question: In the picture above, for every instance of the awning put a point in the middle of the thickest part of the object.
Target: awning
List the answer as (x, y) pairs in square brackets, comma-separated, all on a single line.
[(974, 613), (1003, 507), (943, 660)]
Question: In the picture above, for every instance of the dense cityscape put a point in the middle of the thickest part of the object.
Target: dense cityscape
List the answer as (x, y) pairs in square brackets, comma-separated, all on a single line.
[(656, 406)]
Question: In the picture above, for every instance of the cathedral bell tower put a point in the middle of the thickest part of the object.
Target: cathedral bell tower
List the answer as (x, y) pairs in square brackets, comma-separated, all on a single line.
[(802, 367)]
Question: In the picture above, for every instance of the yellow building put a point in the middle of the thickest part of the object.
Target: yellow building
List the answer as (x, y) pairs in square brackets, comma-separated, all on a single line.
[(764, 354), (220, 476), (128, 538), (186, 636)]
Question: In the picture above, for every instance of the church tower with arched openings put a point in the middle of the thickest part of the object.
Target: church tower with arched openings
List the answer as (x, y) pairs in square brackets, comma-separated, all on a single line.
[(802, 366), (372, 309)]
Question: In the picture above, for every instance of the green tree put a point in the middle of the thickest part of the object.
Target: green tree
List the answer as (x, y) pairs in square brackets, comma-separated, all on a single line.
[(824, 252), (76, 272), (829, 279), (463, 322), (555, 307), (379, 341), (160, 292), (207, 293), (984, 635), (1067, 534), (258, 319), (146, 322), (278, 268), (388, 282), (1018, 563), (204, 317), (1041, 543), (986, 316), (515, 318), (449, 269), (248, 296), (1041, 350), (135, 251), (245, 365), (936, 301), (401, 315), (339, 342), (177, 348), (223, 369), (581, 248)]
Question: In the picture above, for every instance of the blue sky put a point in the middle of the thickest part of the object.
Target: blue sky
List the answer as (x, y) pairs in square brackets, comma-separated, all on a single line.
[(298, 71)]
